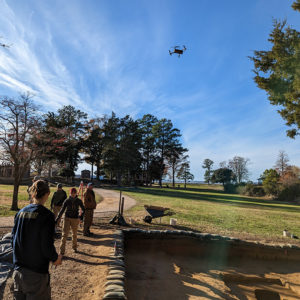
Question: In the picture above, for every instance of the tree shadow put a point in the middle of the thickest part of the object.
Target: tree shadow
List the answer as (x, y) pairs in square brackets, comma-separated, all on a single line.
[(153, 268), (91, 255), (78, 260), (223, 198), (94, 241)]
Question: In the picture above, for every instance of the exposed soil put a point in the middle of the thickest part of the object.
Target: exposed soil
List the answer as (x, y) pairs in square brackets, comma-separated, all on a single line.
[(82, 275), (181, 269)]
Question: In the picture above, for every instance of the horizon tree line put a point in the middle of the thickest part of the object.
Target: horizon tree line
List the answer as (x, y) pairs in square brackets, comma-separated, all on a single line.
[(122, 149)]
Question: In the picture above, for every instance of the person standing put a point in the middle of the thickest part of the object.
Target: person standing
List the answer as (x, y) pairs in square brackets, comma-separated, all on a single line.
[(33, 246), (57, 201), (71, 206), (90, 205)]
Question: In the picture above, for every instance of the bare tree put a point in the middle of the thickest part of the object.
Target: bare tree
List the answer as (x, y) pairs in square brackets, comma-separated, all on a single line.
[(18, 122), (281, 164), (239, 167), (223, 164)]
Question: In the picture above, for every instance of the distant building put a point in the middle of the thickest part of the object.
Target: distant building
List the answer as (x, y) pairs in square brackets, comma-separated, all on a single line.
[(7, 171), (86, 174)]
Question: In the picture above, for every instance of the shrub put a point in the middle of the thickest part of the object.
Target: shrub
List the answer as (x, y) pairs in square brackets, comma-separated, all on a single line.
[(241, 190), (253, 190), (290, 193), (230, 188)]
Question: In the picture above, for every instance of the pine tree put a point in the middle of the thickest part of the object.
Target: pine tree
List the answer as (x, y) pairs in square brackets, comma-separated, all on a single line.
[(277, 71), (207, 164)]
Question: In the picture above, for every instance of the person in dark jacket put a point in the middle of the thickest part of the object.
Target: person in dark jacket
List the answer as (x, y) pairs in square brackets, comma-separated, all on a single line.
[(57, 201), (90, 205), (71, 206), (33, 247)]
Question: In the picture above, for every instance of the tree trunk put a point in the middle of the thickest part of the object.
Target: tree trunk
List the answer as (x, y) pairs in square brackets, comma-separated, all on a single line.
[(98, 172), (147, 171), (184, 183), (173, 177), (39, 169), (50, 171), (119, 178), (92, 175), (14, 205)]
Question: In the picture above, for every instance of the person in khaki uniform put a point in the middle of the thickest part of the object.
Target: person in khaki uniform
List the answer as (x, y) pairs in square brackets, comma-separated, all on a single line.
[(71, 206), (57, 201), (90, 205)]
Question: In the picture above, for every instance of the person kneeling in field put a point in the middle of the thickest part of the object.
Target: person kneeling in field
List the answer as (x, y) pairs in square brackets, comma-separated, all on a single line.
[(71, 206), (33, 246)]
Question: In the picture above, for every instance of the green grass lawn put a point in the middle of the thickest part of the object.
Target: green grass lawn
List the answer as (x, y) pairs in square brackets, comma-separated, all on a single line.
[(209, 209), (6, 192)]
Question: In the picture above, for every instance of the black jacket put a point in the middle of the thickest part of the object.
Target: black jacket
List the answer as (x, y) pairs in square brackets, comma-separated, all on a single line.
[(33, 238), (58, 198), (71, 205)]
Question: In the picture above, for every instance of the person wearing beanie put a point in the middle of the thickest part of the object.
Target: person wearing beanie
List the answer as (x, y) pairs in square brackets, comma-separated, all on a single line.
[(33, 246), (90, 205), (71, 206), (57, 201)]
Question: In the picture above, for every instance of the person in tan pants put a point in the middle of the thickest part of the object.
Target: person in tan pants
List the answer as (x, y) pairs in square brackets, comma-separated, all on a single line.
[(71, 220), (57, 201)]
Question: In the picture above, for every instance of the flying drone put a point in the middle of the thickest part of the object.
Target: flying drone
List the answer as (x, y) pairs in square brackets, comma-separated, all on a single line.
[(177, 50), (4, 45)]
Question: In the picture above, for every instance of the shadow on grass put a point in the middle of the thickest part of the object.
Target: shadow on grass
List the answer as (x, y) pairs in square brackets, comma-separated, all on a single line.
[(220, 198)]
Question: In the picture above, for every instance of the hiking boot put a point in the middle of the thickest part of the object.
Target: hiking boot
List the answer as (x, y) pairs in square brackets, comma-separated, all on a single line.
[(88, 234)]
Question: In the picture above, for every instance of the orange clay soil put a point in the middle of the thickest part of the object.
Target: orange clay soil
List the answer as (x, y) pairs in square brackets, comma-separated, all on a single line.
[(181, 269), (82, 275)]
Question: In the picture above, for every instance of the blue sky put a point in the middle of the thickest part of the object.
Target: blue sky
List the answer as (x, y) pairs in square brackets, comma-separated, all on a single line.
[(112, 55)]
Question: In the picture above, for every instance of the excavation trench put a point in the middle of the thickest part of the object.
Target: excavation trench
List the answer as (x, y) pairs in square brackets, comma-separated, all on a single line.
[(181, 267)]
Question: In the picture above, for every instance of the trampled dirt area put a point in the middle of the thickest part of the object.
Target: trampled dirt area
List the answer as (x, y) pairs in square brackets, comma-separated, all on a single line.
[(82, 275)]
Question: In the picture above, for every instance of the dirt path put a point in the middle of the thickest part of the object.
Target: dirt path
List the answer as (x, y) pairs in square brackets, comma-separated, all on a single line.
[(110, 203), (82, 275)]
